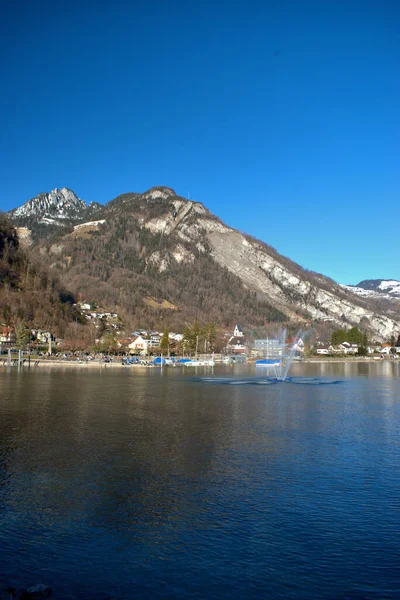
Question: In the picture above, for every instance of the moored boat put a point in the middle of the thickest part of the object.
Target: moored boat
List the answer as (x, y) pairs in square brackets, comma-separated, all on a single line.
[(200, 363), (268, 362)]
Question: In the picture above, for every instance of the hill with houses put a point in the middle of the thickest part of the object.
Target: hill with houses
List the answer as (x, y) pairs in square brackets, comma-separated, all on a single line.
[(159, 260)]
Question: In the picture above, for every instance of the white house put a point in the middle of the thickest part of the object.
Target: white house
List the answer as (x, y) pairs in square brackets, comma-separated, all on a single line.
[(138, 344), (41, 336), (348, 348), (324, 349), (155, 339), (385, 349)]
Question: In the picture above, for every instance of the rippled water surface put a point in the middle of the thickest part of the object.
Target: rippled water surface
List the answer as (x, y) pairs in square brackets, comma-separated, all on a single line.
[(170, 485)]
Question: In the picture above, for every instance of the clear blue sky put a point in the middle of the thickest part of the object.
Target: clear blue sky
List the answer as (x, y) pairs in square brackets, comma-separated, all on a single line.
[(281, 117)]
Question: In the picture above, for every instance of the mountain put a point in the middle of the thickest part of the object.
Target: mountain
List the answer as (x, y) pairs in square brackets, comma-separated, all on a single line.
[(377, 288), (141, 249)]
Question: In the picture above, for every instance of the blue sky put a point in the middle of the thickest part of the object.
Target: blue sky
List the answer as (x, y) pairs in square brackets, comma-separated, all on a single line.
[(281, 117)]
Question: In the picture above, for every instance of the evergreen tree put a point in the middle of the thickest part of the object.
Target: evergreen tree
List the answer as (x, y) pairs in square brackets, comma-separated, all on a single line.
[(192, 337), (164, 342), (338, 337), (23, 335), (103, 327), (354, 336), (108, 343)]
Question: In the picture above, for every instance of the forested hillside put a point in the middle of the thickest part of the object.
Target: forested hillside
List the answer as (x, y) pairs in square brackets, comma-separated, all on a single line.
[(116, 266), (28, 292)]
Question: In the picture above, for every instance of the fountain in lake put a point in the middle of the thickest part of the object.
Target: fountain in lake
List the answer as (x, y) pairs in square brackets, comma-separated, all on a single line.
[(280, 354)]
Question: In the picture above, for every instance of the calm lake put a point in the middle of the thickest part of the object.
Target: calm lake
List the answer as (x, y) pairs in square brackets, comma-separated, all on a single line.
[(148, 484)]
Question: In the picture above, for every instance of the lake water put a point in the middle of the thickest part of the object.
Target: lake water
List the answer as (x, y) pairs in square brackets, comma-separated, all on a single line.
[(128, 484)]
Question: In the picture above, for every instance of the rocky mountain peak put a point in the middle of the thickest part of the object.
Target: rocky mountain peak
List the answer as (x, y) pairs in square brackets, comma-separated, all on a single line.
[(159, 192), (50, 207)]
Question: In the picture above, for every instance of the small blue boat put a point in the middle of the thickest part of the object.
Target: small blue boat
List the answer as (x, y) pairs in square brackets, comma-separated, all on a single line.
[(268, 362)]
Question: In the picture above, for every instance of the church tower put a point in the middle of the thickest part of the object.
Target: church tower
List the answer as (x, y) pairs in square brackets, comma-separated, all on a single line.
[(237, 332)]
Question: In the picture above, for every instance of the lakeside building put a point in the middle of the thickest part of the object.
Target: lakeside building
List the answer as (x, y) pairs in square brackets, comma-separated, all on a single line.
[(267, 348), (138, 344), (236, 343), (7, 335), (42, 337), (324, 349), (155, 339)]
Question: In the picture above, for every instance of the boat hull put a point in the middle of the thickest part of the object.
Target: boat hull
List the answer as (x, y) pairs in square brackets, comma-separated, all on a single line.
[(268, 363)]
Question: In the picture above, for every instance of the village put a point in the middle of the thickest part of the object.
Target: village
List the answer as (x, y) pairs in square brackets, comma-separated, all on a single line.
[(111, 339)]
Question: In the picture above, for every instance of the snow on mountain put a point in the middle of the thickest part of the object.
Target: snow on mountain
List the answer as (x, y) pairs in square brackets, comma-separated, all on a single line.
[(51, 207), (376, 288), (360, 291), (390, 286), (93, 224)]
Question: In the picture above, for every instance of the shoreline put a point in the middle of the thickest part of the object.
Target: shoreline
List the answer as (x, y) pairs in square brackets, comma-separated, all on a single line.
[(361, 359), (37, 363)]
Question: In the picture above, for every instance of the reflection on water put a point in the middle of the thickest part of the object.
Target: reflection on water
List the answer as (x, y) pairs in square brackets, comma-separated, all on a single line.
[(161, 485), (266, 380)]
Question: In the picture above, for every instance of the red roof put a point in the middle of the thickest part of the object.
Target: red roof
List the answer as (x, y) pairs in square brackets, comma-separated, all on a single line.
[(6, 330)]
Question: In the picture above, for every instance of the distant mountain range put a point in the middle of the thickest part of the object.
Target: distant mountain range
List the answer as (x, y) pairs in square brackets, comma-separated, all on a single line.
[(162, 246), (377, 288)]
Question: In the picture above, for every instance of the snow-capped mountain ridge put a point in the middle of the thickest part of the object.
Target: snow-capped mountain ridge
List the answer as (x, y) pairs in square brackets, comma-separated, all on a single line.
[(50, 207), (376, 288)]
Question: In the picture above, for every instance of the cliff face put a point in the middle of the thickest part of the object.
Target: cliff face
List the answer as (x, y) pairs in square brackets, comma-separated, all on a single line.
[(308, 296), (161, 241)]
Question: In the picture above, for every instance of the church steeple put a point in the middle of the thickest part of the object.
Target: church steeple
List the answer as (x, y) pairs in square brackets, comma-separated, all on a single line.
[(237, 332)]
